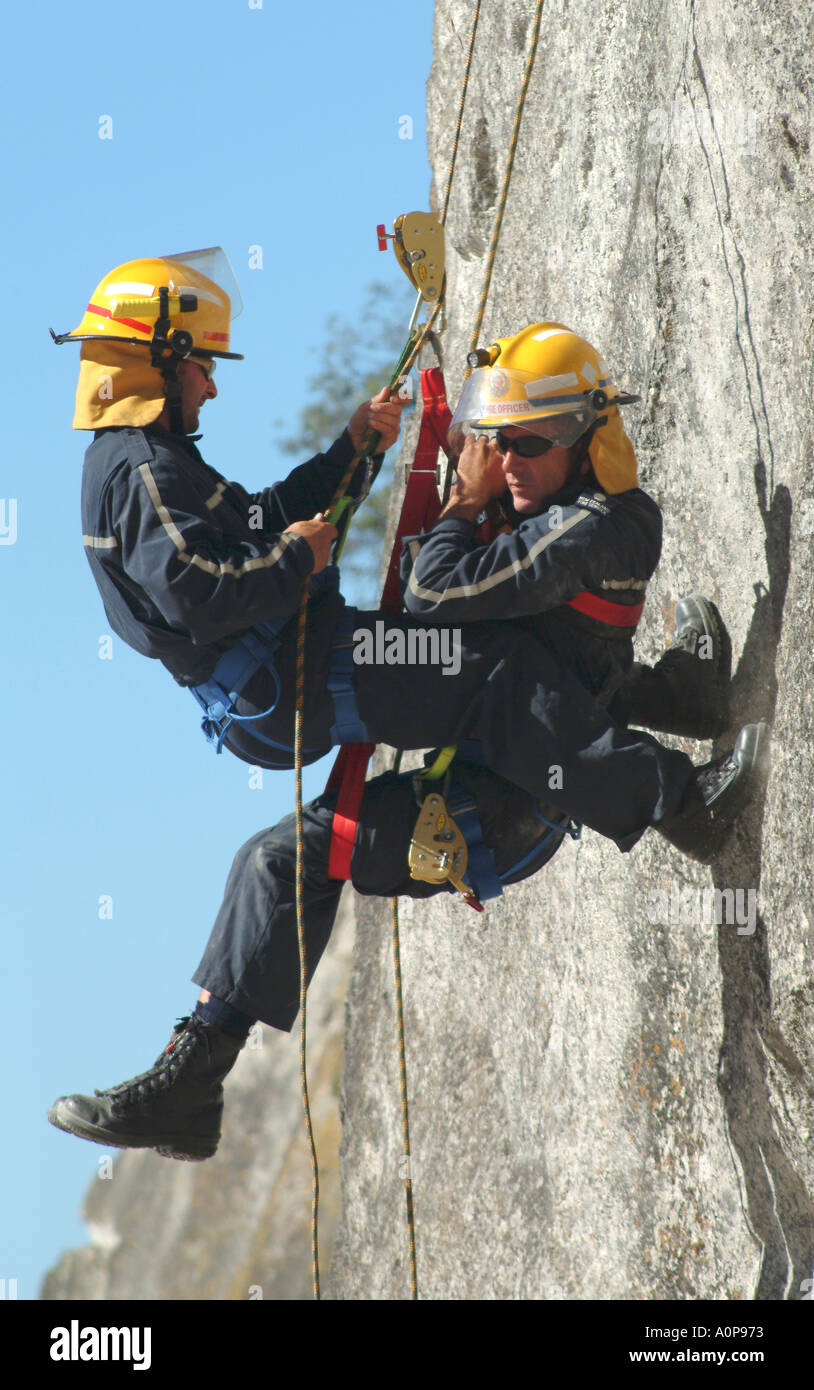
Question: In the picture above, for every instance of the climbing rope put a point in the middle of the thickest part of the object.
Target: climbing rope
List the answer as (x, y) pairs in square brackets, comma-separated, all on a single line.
[(461, 105), (411, 350), (408, 357), (507, 176), (405, 1118), (300, 696), (405, 1112)]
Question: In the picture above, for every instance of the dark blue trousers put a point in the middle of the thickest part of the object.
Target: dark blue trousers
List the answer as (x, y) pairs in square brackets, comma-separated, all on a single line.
[(252, 959), (538, 726)]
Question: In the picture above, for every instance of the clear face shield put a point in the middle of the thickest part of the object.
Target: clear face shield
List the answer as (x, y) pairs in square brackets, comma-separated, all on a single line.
[(214, 263), (495, 399)]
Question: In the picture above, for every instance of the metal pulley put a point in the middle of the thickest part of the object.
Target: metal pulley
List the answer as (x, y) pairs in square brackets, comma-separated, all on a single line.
[(418, 243)]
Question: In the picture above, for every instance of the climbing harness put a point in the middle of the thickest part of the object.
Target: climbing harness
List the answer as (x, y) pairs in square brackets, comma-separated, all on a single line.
[(258, 649), (448, 844)]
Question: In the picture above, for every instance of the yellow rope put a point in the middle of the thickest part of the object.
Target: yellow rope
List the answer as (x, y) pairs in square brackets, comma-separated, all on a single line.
[(298, 736), (438, 768), (461, 104), (394, 902), (504, 192), (300, 680), (300, 695), (405, 1114)]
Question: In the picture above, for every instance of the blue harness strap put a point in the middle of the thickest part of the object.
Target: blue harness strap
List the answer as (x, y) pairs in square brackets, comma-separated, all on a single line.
[(258, 647), (348, 727), (218, 696), (481, 874)]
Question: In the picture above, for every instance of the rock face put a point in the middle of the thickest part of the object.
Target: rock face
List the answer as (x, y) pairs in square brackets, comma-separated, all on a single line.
[(605, 1105), (608, 1099), (237, 1226)]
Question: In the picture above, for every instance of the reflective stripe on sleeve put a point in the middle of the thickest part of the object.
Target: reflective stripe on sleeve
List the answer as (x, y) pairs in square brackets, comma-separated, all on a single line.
[(100, 542), (500, 576), (208, 566)]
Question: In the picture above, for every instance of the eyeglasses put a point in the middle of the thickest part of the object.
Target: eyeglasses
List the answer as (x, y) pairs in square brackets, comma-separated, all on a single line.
[(528, 446), (207, 365)]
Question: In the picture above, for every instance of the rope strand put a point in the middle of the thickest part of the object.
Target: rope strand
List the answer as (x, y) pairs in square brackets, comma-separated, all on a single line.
[(300, 696), (406, 361), (504, 192), (461, 105), (408, 358), (405, 1113)]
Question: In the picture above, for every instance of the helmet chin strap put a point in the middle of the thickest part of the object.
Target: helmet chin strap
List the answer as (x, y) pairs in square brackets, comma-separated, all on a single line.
[(172, 392), (178, 344)]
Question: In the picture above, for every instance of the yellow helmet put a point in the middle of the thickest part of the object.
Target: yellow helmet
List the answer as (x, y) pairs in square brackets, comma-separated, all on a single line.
[(176, 307), (548, 373), (179, 302)]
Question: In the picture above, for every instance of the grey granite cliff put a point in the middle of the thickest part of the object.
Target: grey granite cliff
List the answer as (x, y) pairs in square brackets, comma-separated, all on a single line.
[(604, 1105)]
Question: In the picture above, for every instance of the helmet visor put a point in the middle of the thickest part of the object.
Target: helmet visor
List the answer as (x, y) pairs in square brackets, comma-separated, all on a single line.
[(214, 263), (494, 397)]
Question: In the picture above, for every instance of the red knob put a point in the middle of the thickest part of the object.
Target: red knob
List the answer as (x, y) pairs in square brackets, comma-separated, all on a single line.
[(381, 235)]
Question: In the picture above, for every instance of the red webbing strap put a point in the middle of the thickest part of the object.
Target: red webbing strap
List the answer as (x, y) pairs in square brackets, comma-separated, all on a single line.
[(421, 505), (350, 767), (419, 510), (616, 614)]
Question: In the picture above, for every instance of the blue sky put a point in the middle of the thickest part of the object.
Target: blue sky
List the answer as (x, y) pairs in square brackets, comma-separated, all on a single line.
[(276, 127)]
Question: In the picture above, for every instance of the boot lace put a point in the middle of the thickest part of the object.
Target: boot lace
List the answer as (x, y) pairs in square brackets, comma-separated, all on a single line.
[(184, 1042), (713, 779)]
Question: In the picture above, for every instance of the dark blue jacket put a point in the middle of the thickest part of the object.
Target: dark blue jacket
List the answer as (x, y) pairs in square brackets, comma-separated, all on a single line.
[(186, 561), (584, 541)]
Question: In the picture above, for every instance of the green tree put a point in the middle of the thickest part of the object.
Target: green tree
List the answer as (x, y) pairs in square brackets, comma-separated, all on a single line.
[(357, 361)]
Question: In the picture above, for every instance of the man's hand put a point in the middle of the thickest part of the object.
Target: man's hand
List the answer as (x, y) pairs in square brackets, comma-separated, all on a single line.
[(479, 478), (380, 414), (320, 535)]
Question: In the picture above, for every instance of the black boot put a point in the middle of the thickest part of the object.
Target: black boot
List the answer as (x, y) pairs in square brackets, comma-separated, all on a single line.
[(687, 691), (175, 1107), (719, 793)]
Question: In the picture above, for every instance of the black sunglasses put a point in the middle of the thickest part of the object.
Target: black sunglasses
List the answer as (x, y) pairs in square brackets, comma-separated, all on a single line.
[(528, 446)]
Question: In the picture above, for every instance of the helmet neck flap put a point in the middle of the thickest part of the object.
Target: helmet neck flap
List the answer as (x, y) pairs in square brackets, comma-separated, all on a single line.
[(177, 307)]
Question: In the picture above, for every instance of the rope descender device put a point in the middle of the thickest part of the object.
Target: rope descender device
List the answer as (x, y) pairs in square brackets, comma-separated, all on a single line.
[(418, 244), (438, 851)]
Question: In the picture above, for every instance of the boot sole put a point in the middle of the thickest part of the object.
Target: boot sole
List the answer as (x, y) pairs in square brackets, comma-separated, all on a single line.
[(168, 1147)]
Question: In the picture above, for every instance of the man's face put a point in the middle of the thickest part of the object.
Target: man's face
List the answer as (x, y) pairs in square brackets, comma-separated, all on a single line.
[(532, 481), (196, 388)]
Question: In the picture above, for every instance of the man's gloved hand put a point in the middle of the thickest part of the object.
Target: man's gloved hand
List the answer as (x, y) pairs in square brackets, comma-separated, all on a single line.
[(379, 414), (479, 479), (320, 535)]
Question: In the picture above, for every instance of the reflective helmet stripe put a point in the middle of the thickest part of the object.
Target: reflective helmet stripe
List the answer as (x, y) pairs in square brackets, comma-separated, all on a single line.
[(128, 323)]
